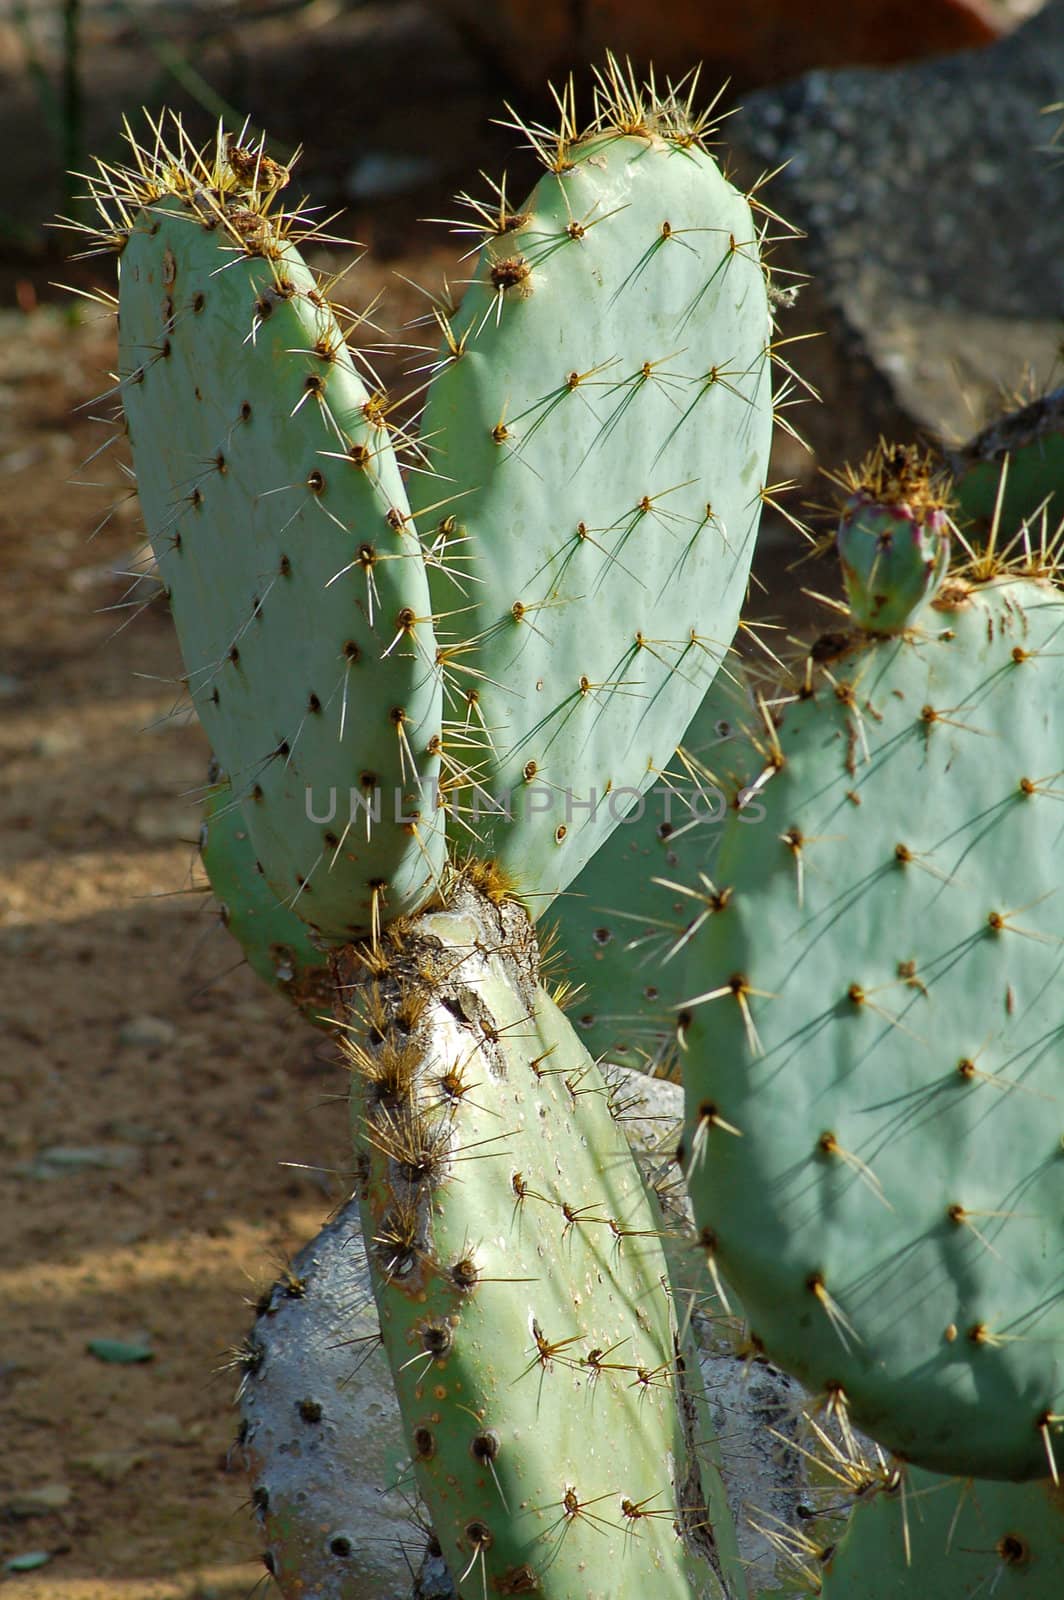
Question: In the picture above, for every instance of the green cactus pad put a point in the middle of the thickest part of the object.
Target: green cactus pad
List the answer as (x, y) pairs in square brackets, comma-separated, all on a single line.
[(1013, 467), (630, 906), (600, 417), (548, 1397), (278, 517), (276, 942), (874, 1035), (893, 538), (932, 1536)]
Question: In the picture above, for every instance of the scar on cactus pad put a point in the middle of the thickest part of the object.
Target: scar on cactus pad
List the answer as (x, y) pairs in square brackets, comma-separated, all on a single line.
[(873, 1030), (505, 659)]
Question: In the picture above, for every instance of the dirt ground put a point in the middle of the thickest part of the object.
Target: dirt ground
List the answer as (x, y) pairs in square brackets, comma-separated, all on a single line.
[(169, 1132), (149, 1094)]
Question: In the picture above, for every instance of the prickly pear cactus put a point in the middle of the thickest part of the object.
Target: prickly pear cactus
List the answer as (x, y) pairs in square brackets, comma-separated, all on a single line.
[(548, 1394), (920, 1534), (510, 677), (893, 537), (276, 943), (622, 925), (874, 1040), (600, 417), (277, 513)]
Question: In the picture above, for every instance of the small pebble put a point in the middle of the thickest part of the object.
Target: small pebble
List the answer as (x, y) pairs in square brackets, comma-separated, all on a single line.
[(120, 1352), (29, 1561), (147, 1033), (38, 1502), (163, 821), (110, 1466), (56, 742)]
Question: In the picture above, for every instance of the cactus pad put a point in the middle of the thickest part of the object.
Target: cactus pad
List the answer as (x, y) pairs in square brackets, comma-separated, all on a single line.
[(278, 517), (927, 1535), (600, 414), (622, 925), (874, 1035)]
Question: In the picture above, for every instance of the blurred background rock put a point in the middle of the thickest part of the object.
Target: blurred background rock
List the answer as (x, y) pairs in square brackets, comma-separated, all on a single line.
[(911, 129)]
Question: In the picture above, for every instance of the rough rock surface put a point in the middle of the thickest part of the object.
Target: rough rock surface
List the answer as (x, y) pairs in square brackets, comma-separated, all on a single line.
[(935, 223)]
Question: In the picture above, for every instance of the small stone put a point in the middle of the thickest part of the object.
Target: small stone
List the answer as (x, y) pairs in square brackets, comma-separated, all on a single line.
[(29, 1561), (147, 1033), (58, 1158), (110, 1466), (134, 1233), (138, 1132), (119, 1352), (164, 1428), (56, 742), (39, 1502)]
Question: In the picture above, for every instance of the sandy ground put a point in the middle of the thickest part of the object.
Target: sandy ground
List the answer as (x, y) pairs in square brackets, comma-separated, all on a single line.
[(149, 1093)]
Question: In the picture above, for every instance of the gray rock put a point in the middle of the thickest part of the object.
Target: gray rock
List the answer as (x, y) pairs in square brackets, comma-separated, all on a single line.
[(110, 1467), (320, 1428), (935, 230), (651, 1111)]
